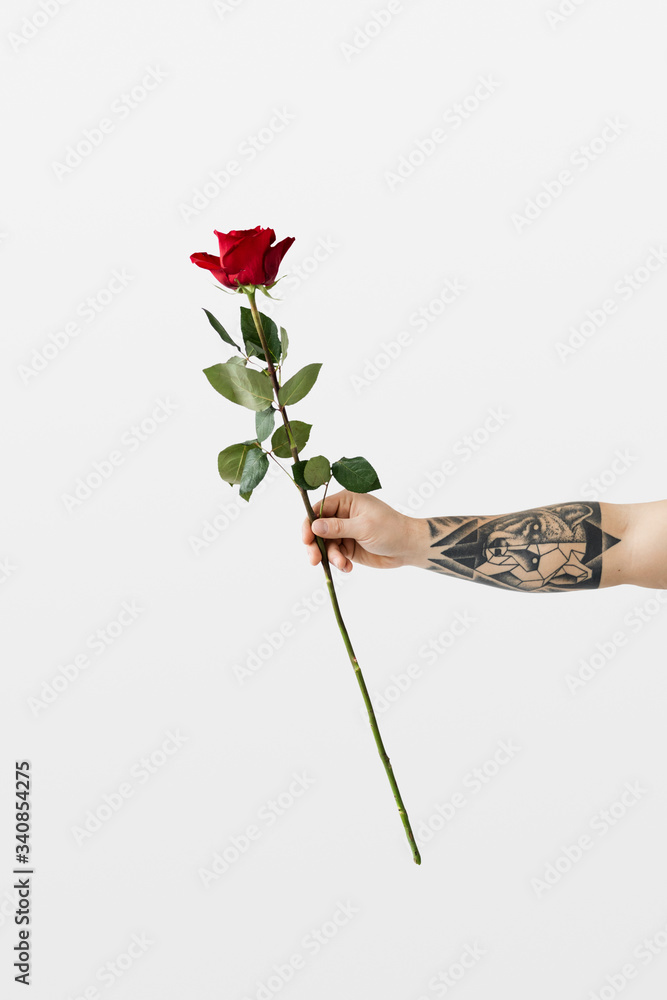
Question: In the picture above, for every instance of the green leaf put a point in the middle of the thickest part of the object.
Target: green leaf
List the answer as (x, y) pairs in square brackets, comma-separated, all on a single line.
[(356, 474), (237, 360), (297, 472), (242, 385), (280, 444), (264, 421), (284, 342), (245, 496), (219, 329), (251, 337), (299, 385), (317, 471), (255, 468), (231, 462)]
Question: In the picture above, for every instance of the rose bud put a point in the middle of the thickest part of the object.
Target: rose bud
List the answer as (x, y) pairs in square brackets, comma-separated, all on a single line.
[(247, 257)]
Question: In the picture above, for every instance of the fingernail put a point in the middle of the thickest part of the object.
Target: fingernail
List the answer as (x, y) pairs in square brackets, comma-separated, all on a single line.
[(321, 527)]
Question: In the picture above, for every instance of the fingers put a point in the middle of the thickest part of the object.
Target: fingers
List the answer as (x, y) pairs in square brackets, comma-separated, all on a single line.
[(307, 536), (337, 503), (330, 527), (339, 527), (339, 555)]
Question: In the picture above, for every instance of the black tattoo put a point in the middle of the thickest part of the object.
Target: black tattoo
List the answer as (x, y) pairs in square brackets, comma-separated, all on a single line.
[(549, 549)]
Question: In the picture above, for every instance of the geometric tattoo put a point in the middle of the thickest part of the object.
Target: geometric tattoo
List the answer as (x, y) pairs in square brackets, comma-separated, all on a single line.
[(547, 549)]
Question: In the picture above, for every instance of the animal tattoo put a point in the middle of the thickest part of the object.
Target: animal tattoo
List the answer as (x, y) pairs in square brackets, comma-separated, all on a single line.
[(548, 549)]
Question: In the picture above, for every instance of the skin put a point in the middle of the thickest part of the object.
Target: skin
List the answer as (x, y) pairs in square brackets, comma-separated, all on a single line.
[(360, 528)]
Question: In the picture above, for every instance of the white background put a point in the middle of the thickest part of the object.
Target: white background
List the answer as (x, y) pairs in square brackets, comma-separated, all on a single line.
[(358, 100)]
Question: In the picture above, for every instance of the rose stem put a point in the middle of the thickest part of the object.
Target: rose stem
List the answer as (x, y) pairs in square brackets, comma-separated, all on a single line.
[(332, 593)]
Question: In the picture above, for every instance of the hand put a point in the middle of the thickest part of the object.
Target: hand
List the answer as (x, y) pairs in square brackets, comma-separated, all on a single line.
[(360, 528)]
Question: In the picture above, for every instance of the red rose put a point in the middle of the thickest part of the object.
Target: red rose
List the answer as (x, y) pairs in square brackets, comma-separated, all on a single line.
[(246, 257)]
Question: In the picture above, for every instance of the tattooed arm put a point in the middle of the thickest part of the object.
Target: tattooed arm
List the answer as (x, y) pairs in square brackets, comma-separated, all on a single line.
[(561, 547), (557, 548)]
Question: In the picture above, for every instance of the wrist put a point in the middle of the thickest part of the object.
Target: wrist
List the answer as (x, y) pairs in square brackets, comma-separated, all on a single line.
[(418, 539)]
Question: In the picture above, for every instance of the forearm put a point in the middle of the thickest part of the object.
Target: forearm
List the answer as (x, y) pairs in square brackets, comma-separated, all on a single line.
[(554, 549)]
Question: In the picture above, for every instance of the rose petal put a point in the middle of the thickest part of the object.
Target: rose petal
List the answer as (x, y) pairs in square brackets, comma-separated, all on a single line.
[(226, 241), (245, 261), (231, 239), (274, 256), (206, 260), (212, 264)]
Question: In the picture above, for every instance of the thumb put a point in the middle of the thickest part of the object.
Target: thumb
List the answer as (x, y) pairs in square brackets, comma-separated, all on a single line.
[(337, 527)]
